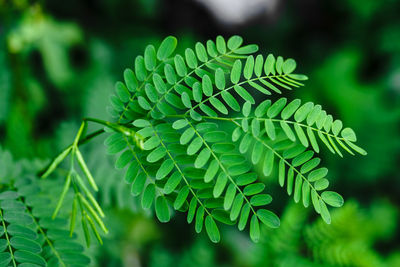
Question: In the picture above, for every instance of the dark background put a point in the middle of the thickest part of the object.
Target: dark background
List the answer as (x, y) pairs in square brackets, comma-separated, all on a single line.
[(59, 61)]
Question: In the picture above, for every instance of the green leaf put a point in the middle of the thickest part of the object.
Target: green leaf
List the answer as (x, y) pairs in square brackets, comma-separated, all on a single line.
[(336, 127), (138, 184), (123, 159), (181, 198), (276, 107), (262, 108), (150, 59), (159, 83), (230, 101), (220, 184), (260, 200), (288, 131), (290, 109), (191, 58), (194, 146), (332, 198), (235, 42), (306, 194), (148, 196), (23, 256), (5, 258), (253, 189), (315, 201), (349, 135), (258, 65), (220, 79), (179, 124), (211, 171), (255, 127), (151, 143), (301, 135), (202, 158), (282, 173), (180, 66), (199, 219), (270, 129), (170, 74), (8, 195), (254, 229), (140, 68), (221, 46), (162, 210), (19, 230), (314, 114), (156, 154), (212, 49), (172, 183), (317, 174), (192, 210), (130, 80), (186, 100), (321, 184), (269, 65), (166, 48), (356, 148), (324, 212), (244, 216), (201, 52), (244, 94), (151, 92), (302, 158), (293, 151), (290, 181), (143, 103), (302, 113), (279, 64), (212, 229), (297, 188), (248, 49), (218, 105), (236, 71), (289, 66), (229, 196), (246, 109), (197, 92), (221, 215), (122, 92), (248, 68), (236, 207), (268, 218), (245, 144), (308, 166), (207, 85), (313, 141), (23, 243), (186, 136)]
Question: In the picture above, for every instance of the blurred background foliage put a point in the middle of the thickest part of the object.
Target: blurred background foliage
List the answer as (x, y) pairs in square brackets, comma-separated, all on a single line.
[(59, 61)]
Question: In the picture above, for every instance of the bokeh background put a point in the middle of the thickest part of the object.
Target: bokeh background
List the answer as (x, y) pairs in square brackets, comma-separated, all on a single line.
[(59, 61)]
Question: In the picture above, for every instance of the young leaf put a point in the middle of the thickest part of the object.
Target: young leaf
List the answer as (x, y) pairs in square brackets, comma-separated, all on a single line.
[(212, 229), (268, 218), (332, 198), (166, 48), (162, 210)]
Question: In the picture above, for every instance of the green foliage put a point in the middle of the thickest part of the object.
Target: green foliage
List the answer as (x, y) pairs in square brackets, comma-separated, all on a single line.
[(28, 234), (348, 241), (180, 153)]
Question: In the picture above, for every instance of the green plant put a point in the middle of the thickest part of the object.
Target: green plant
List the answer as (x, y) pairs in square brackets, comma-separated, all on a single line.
[(192, 137), (28, 234)]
